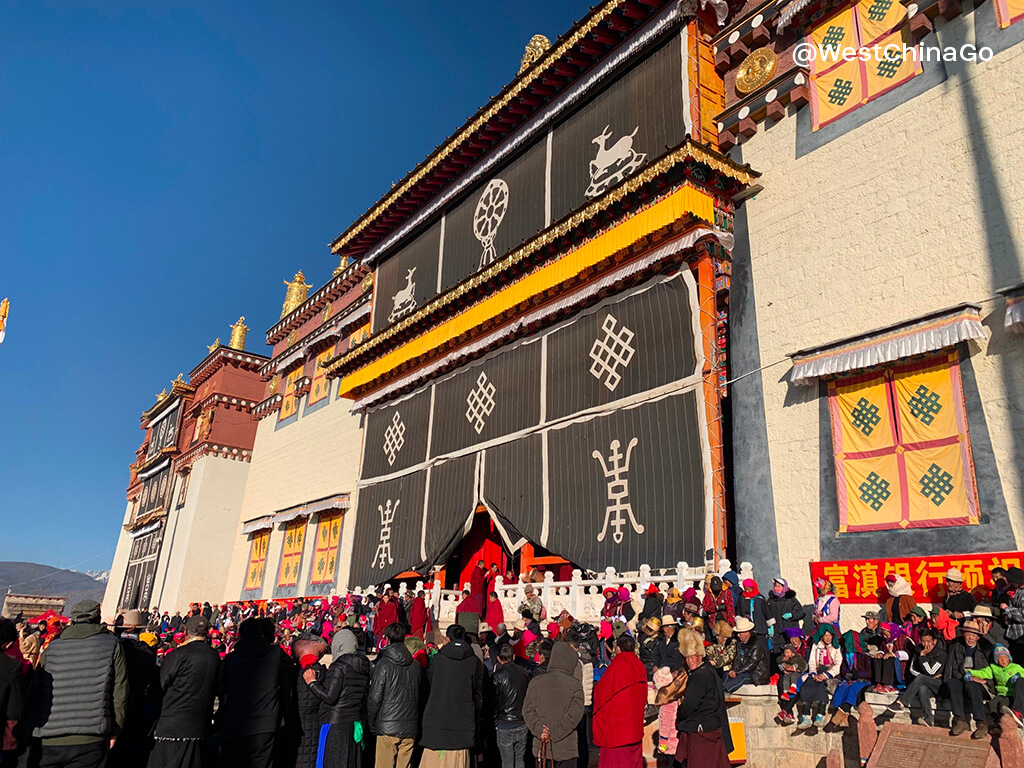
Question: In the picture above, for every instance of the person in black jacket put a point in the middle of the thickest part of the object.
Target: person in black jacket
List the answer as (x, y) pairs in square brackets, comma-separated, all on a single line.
[(188, 683), (393, 707), (307, 650), (80, 692), (133, 747), (453, 708), (510, 683), (253, 688), (751, 663), (703, 726), (344, 690), (964, 655), (927, 666), (666, 648), (785, 612)]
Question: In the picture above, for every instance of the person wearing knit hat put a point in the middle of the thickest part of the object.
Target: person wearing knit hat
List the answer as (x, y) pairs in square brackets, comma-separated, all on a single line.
[(87, 708), (1006, 676)]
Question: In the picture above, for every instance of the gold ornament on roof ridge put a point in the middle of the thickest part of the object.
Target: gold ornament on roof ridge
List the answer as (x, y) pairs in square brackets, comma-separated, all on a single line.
[(216, 343), (756, 70), (534, 50), (298, 291), (238, 331)]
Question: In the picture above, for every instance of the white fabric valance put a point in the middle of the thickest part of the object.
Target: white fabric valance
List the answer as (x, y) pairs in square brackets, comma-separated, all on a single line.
[(885, 345), (1014, 295), (259, 524)]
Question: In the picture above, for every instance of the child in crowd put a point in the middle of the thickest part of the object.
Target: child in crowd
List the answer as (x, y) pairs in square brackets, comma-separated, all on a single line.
[(1006, 676)]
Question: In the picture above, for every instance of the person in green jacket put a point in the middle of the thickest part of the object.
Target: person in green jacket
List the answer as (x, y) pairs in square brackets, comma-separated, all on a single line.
[(1006, 676)]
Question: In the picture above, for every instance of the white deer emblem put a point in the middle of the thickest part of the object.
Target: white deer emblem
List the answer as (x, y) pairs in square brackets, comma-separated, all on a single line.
[(405, 300), (613, 163)]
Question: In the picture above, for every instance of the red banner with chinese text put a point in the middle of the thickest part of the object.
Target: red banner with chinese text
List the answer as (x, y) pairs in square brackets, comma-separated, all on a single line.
[(863, 581)]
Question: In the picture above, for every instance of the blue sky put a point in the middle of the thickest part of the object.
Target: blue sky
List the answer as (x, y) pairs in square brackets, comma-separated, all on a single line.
[(162, 168)]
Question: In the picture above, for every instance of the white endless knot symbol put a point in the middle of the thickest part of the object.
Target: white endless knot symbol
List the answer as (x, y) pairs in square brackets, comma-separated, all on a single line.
[(480, 402), (618, 490), (387, 516), (611, 351), (394, 438)]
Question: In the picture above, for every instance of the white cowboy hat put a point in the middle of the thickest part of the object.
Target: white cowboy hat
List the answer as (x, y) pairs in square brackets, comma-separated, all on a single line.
[(668, 620), (744, 625), (484, 627)]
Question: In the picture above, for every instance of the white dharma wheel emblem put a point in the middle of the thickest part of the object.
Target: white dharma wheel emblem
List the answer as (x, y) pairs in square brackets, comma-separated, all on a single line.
[(490, 212)]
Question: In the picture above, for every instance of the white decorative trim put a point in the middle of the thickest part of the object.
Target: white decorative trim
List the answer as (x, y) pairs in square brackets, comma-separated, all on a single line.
[(159, 467), (886, 345)]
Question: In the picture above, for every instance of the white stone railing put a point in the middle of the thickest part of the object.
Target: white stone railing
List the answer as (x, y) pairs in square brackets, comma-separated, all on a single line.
[(582, 598)]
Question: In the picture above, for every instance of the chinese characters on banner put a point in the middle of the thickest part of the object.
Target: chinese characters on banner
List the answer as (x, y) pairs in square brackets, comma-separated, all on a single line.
[(863, 581)]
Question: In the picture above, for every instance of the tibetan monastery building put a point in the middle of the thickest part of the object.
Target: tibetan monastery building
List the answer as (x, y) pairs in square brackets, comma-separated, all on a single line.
[(186, 484), (291, 535), (877, 391), (543, 378)]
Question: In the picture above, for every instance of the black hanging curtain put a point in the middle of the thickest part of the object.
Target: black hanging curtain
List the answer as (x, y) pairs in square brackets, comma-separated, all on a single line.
[(616, 131), (588, 438)]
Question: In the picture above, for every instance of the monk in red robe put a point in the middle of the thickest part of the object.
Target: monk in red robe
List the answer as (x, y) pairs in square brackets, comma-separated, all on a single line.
[(419, 616), (478, 584), (387, 614), (494, 614), (620, 697)]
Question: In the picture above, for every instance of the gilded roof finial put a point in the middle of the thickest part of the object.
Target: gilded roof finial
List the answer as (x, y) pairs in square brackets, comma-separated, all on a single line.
[(536, 48), (297, 292), (162, 395), (343, 264), (216, 343), (5, 308), (179, 380), (238, 331)]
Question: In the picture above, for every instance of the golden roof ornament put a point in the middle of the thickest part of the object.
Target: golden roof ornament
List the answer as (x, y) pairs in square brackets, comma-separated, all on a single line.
[(756, 70), (5, 308), (216, 343), (343, 264), (162, 395), (298, 290), (238, 331), (536, 48)]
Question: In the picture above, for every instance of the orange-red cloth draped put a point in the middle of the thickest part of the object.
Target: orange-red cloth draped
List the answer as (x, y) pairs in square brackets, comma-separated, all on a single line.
[(620, 697)]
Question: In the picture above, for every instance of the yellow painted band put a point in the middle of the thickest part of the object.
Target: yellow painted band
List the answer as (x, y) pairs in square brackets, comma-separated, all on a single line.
[(685, 200)]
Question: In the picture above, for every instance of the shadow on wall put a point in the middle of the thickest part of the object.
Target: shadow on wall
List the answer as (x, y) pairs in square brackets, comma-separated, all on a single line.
[(1004, 260)]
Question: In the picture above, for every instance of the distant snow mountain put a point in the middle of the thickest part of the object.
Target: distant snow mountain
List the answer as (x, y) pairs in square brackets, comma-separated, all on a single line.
[(101, 576), (36, 579)]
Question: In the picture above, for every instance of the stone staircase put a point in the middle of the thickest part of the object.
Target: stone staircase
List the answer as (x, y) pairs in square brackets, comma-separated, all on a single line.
[(770, 745)]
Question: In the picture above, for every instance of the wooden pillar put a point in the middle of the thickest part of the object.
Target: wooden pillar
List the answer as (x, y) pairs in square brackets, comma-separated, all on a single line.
[(706, 298)]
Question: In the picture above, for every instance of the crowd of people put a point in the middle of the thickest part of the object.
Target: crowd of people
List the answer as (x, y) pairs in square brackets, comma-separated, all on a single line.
[(355, 681)]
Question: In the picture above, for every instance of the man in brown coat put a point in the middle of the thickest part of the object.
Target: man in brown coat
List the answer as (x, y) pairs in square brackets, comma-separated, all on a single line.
[(554, 706)]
